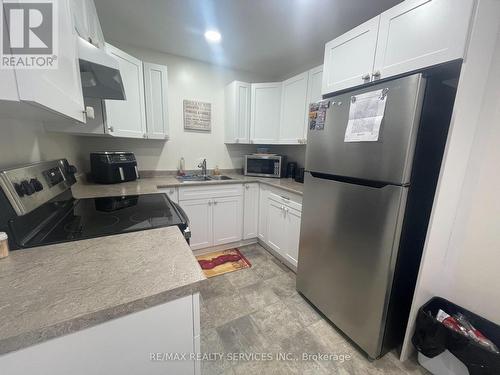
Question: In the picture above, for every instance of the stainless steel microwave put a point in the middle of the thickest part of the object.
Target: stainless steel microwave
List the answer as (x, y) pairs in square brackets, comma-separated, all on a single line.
[(262, 165)]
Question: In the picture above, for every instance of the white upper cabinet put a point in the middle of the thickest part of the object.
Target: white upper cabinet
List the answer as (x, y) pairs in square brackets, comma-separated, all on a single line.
[(156, 91), (314, 85), (411, 36), (421, 33), (265, 112), (237, 114), (57, 90), (349, 58), (294, 109), (271, 113), (127, 118), (86, 22)]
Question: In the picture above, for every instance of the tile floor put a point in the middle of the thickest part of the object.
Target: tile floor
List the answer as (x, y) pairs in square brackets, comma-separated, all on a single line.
[(258, 310)]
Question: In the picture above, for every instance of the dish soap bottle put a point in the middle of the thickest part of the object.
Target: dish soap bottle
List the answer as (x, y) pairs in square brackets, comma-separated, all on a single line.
[(182, 163), (216, 171)]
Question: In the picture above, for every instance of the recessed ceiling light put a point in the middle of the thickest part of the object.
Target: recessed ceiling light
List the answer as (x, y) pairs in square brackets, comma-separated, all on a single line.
[(213, 36)]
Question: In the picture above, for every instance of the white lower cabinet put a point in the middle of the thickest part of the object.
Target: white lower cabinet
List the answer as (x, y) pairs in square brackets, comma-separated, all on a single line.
[(229, 213), (199, 212), (215, 214), (125, 345), (276, 236), (292, 228), (283, 227), (263, 212), (251, 211), (227, 217)]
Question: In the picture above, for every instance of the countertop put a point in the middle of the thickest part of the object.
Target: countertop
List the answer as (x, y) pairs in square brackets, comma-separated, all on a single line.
[(54, 290), (84, 189)]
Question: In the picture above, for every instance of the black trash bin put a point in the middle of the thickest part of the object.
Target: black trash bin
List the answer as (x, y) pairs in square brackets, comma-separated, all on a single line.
[(432, 338)]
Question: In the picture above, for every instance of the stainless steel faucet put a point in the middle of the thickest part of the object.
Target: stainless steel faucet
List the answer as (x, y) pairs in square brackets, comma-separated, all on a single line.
[(203, 166)]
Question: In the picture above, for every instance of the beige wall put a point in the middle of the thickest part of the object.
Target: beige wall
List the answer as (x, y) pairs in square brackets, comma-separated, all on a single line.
[(473, 257), (188, 79), (23, 142)]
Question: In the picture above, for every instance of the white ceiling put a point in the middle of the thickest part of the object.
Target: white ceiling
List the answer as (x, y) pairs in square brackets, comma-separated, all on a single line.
[(273, 38)]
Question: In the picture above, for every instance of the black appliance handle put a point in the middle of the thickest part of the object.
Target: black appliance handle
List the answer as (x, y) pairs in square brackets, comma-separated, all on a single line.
[(187, 230), (354, 180), (182, 212)]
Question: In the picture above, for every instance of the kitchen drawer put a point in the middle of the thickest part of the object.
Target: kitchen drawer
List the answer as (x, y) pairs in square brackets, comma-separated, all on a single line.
[(285, 193), (286, 200), (203, 192)]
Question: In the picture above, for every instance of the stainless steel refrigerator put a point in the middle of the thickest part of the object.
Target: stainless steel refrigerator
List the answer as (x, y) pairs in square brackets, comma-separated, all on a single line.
[(366, 208)]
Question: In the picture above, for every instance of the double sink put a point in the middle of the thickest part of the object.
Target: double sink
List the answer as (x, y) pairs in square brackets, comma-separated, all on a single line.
[(201, 178)]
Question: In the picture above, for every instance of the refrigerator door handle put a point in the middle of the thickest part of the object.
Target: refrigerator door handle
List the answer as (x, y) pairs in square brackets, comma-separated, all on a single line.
[(353, 180)]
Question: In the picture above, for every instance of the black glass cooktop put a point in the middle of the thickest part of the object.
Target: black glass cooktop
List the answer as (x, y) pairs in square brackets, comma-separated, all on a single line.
[(89, 218)]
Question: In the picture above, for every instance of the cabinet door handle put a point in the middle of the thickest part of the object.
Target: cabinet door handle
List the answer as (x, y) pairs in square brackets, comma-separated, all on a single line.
[(215, 202), (209, 203), (376, 74), (247, 186)]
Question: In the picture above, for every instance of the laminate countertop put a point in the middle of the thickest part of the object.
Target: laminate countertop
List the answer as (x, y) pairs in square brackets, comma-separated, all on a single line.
[(150, 185), (50, 291)]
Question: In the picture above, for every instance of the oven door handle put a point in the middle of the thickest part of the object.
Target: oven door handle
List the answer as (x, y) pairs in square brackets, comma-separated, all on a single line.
[(182, 212), (187, 230)]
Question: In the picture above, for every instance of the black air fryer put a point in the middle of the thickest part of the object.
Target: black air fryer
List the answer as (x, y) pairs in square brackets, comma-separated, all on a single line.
[(113, 167)]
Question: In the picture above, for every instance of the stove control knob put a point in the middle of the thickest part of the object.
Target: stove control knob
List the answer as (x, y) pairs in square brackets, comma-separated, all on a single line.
[(36, 184), (19, 189), (27, 188)]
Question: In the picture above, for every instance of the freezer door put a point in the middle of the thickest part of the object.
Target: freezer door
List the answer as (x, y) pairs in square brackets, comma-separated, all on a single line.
[(388, 159), (348, 248)]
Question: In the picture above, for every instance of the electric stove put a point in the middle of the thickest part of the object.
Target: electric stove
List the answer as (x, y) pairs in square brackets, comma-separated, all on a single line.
[(58, 217)]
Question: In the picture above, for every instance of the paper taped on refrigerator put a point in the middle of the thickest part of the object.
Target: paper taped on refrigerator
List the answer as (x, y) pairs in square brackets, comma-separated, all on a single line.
[(365, 117)]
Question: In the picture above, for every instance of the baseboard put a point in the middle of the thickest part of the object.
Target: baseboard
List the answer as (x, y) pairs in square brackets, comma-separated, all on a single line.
[(277, 256), (225, 246)]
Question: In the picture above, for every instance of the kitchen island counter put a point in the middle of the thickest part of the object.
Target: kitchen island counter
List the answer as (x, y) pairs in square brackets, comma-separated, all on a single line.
[(55, 290)]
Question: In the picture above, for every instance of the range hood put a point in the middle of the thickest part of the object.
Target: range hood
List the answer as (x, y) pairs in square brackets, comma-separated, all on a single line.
[(100, 73)]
